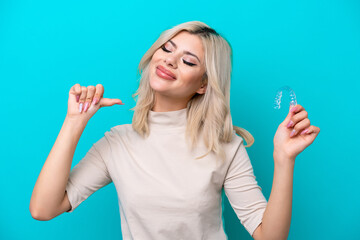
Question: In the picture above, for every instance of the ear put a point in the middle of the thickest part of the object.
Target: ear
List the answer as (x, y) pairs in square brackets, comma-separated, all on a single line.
[(202, 89)]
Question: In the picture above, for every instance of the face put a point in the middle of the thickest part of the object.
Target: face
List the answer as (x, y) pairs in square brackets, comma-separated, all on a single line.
[(177, 68)]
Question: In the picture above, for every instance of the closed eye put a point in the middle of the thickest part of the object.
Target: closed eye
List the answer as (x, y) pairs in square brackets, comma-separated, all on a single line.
[(163, 48), (187, 63)]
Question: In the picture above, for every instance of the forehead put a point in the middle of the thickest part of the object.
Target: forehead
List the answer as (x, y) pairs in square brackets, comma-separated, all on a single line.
[(189, 42)]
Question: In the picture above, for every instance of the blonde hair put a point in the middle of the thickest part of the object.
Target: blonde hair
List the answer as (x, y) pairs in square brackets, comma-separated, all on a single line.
[(208, 112)]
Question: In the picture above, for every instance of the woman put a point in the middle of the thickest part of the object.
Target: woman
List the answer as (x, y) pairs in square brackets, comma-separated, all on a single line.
[(169, 166)]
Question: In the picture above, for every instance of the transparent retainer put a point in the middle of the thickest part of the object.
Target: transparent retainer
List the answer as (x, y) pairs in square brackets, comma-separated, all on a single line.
[(279, 94)]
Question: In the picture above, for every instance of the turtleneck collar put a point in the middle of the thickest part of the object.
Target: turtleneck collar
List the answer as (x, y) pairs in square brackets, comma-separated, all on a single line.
[(167, 120)]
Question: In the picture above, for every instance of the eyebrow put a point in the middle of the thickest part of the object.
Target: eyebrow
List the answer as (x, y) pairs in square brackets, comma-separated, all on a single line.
[(186, 52)]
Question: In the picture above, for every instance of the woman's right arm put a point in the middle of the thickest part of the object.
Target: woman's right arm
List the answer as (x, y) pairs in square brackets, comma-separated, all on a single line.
[(49, 191), (49, 198)]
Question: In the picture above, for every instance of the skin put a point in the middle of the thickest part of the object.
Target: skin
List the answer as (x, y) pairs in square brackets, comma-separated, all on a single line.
[(171, 95), (277, 216), (174, 95), (49, 198), (84, 102)]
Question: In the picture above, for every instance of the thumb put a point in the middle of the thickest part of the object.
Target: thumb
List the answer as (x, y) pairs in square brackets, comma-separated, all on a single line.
[(106, 102)]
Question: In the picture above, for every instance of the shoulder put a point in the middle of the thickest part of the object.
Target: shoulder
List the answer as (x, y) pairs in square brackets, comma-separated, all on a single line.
[(235, 142), (123, 131), (232, 147), (115, 136), (237, 139), (119, 131)]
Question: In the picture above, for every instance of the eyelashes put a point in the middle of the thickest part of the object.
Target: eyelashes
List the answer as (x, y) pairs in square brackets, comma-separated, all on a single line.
[(163, 48), (187, 63)]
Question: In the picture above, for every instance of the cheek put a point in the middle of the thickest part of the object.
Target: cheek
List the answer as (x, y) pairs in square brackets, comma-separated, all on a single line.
[(191, 77), (156, 56), (153, 61)]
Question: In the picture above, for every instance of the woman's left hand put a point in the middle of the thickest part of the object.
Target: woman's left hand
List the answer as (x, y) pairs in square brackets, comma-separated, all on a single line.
[(291, 137)]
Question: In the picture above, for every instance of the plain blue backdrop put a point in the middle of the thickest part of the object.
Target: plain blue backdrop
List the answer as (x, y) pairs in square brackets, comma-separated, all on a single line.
[(311, 45)]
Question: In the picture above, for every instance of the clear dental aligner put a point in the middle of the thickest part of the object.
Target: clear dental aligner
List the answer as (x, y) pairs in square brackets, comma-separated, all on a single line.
[(279, 94)]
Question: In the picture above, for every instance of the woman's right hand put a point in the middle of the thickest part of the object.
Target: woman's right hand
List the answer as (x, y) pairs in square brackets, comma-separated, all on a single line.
[(84, 102)]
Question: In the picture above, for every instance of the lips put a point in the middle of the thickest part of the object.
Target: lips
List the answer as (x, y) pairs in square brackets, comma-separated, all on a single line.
[(164, 73)]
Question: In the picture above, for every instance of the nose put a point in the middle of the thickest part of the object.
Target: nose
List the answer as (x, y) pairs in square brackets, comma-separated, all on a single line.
[(170, 61)]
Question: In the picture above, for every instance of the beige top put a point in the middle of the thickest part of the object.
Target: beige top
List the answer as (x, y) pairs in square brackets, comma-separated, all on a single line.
[(163, 191)]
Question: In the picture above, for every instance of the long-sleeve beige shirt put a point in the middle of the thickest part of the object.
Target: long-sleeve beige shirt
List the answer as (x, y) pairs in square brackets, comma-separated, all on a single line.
[(163, 191)]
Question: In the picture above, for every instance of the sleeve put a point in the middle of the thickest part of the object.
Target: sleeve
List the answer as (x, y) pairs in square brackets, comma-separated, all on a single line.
[(90, 174), (243, 192)]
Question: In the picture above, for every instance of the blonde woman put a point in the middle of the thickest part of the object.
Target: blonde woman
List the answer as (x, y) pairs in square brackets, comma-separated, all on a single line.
[(170, 165)]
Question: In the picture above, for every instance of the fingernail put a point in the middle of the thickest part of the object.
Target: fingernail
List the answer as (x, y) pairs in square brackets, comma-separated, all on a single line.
[(94, 101), (292, 133), (77, 98), (86, 106), (305, 131), (290, 124), (80, 107), (293, 109)]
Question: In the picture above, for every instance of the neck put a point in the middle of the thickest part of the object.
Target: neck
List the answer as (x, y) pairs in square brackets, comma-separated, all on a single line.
[(167, 104), (168, 121)]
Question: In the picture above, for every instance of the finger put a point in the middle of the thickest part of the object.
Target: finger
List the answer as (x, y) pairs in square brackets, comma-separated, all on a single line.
[(311, 134), (306, 130), (313, 129), (99, 93), (89, 97), (287, 118), (310, 130), (297, 108), (300, 127), (106, 102), (76, 91), (298, 117), (82, 98)]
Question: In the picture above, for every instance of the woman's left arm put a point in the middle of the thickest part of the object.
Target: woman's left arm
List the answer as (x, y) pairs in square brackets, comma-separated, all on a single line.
[(291, 138)]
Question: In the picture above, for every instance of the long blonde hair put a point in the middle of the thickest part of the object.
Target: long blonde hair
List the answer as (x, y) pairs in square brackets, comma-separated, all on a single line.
[(208, 112)]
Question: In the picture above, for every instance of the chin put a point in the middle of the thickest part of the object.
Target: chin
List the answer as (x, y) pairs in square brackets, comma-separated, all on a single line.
[(158, 84)]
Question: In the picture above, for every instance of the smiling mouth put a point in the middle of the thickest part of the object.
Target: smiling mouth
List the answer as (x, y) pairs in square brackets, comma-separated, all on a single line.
[(163, 74)]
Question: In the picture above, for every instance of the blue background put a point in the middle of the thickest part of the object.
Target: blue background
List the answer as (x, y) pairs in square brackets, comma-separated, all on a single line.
[(311, 45)]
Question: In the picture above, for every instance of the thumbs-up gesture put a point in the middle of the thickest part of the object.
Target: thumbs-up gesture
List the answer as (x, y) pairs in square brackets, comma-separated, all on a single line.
[(84, 101)]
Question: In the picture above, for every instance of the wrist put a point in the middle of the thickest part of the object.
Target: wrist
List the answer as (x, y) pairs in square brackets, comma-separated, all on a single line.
[(76, 121), (283, 160)]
